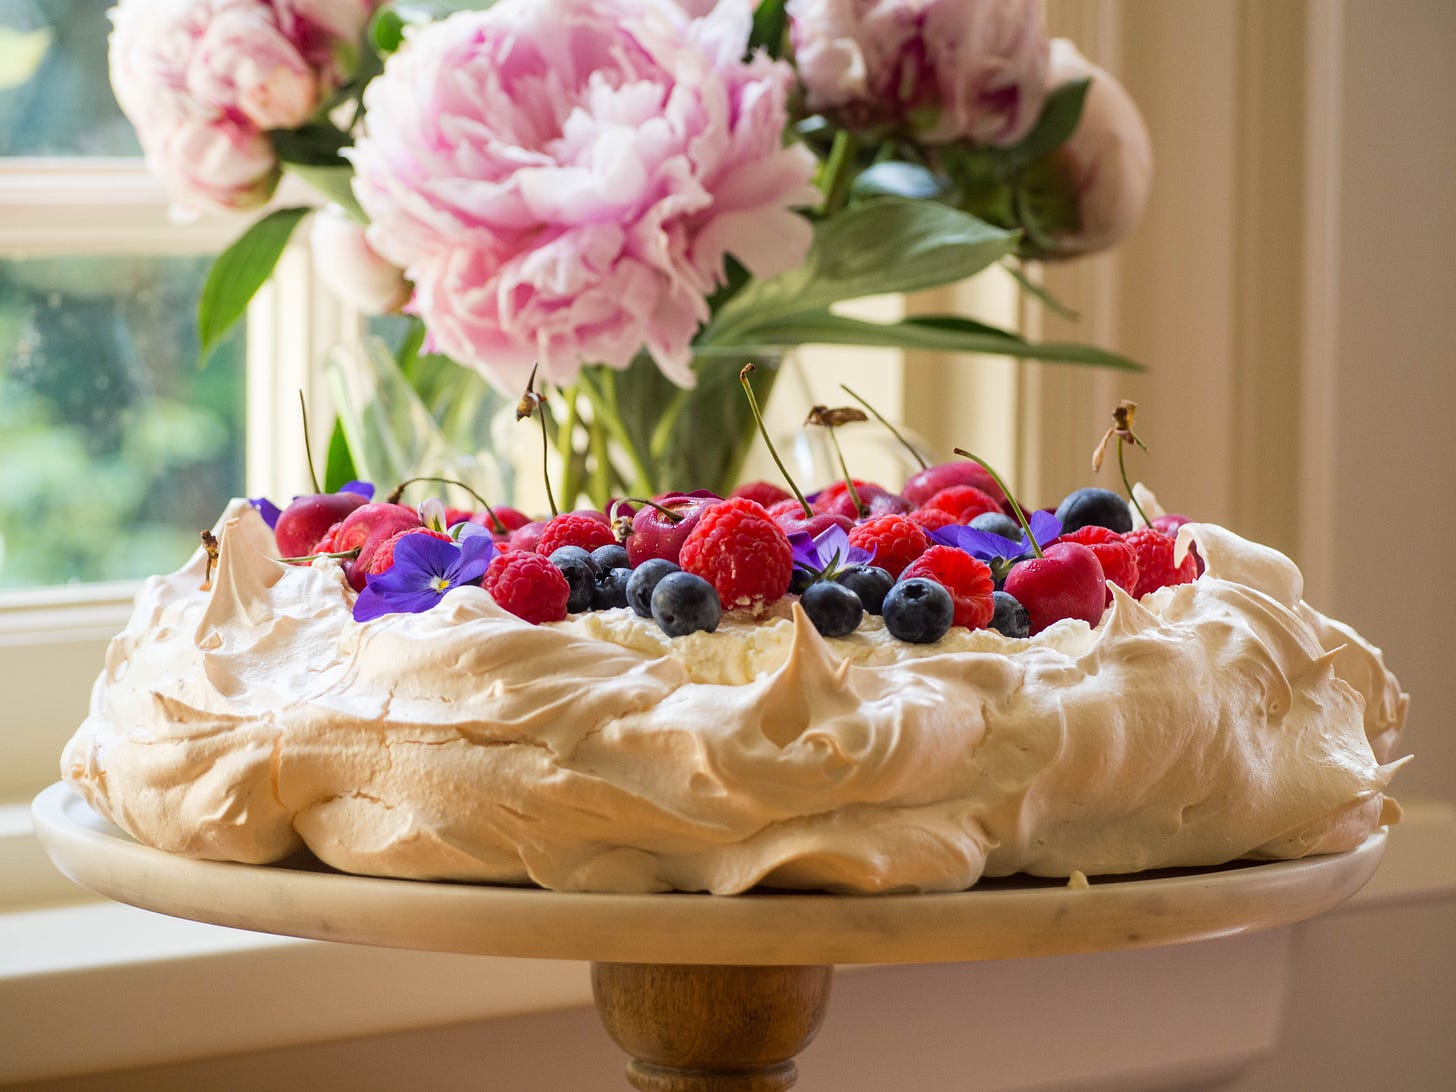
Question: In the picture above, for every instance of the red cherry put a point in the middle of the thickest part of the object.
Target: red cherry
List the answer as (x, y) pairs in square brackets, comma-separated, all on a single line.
[(1065, 582), (924, 484), (366, 529), (309, 518), (655, 534)]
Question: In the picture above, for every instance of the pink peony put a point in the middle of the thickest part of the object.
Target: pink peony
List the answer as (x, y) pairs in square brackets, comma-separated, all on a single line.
[(1107, 163), (203, 81), (348, 265), (946, 70), (561, 182)]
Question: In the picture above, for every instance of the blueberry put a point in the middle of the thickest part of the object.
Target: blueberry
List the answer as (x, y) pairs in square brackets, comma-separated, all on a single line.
[(610, 591), (800, 580), (684, 603), (870, 582), (998, 523), (561, 553), (644, 579), (1010, 619), (918, 611), (580, 575), (834, 609), (612, 556), (1094, 508)]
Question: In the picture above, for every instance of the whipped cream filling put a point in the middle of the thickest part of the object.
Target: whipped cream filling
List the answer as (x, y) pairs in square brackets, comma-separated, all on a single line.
[(1208, 722)]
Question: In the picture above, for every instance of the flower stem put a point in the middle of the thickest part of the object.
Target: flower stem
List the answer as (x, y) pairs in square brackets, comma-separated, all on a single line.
[(565, 446), (601, 484), (604, 409), (1020, 515), (834, 177)]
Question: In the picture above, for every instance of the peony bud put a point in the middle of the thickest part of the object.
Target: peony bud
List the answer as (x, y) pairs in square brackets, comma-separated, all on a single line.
[(349, 266), (1106, 164), (940, 70)]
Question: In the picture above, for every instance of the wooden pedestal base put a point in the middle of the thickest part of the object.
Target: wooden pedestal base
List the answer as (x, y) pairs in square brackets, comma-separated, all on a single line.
[(703, 1028)]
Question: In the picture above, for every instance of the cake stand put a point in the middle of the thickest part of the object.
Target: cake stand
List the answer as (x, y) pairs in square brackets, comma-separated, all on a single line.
[(706, 993)]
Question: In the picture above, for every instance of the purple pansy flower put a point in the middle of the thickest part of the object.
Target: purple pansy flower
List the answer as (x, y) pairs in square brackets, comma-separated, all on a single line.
[(827, 552), (424, 569), (267, 509), (991, 547)]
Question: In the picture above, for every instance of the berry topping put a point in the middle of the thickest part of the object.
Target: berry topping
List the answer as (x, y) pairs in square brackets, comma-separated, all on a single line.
[(575, 529), (1065, 582), (611, 557), (610, 591), (1119, 563), (894, 540), (527, 536), (964, 502), (1155, 568), (528, 586), (507, 518), (660, 528), (918, 611), (644, 581), (684, 603), (1094, 507), (1010, 619), (384, 556), (766, 493), (870, 582), (998, 523), (581, 576), (833, 608), (304, 522), (968, 580), (933, 519), (930, 481), (739, 549)]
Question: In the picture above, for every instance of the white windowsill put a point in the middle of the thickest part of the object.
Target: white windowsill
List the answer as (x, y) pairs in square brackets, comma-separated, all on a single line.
[(73, 970)]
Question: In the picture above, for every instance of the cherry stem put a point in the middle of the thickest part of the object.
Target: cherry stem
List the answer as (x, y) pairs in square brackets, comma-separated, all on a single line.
[(859, 505), (1016, 508), (749, 369), (399, 489), (893, 430), (340, 556), (1122, 469), (672, 517), (533, 403), (307, 443), (210, 547)]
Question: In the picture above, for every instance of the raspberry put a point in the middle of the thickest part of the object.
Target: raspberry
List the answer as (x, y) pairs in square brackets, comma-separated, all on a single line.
[(968, 579), (1154, 551), (739, 549), (528, 586), (964, 502), (575, 529), (325, 545), (384, 556), (766, 493), (932, 519), (894, 540), (1119, 562)]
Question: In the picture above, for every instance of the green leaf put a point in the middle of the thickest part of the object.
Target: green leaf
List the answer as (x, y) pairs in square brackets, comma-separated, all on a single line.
[(769, 22), (1056, 124), (309, 145), (335, 183), (386, 31), (895, 178), (941, 333), (238, 273), (882, 246), (340, 469)]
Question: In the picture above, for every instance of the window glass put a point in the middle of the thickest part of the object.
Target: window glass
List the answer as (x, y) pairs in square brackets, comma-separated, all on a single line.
[(55, 99), (116, 449)]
